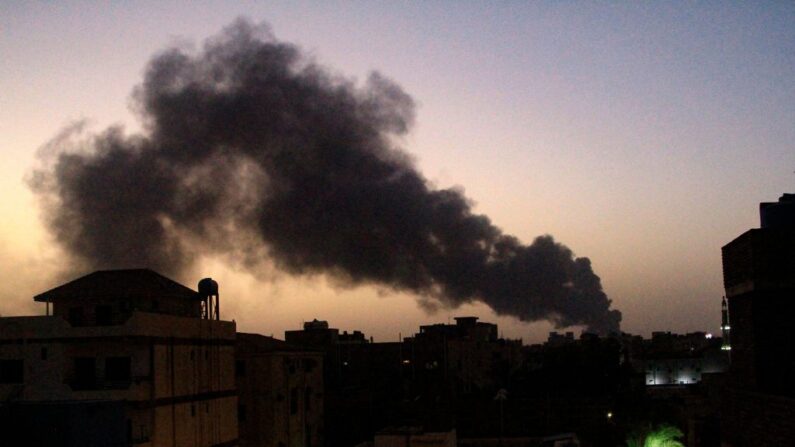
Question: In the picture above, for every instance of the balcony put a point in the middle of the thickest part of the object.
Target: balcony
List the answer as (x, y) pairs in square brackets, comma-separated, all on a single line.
[(97, 384)]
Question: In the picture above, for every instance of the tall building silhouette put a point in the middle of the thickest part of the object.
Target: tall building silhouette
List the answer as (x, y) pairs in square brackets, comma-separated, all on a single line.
[(759, 277)]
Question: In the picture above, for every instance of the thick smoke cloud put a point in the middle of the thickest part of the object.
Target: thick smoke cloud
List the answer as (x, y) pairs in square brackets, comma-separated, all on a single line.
[(252, 150)]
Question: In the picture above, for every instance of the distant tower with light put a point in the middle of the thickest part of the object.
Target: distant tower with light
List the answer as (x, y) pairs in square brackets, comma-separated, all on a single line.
[(724, 326)]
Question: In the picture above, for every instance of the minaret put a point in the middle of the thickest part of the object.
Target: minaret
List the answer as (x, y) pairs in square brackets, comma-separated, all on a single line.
[(724, 326)]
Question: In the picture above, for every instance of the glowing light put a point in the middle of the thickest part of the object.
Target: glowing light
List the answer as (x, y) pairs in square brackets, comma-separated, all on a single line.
[(708, 336), (610, 415)]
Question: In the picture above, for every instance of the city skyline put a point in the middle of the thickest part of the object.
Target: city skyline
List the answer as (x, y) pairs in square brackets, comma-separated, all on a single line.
[(640, 137)]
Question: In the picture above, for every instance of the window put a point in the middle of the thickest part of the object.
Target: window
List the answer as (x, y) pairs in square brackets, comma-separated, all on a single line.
[(76, 316), (240, 368), (192, 409), (308, 399), (44, 353), (85, 372), (11, 371), (117, 369), (103, 315), (241, 413), (294, 401)]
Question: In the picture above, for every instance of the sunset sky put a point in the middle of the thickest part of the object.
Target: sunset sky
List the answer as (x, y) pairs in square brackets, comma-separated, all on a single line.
[(641, 135)]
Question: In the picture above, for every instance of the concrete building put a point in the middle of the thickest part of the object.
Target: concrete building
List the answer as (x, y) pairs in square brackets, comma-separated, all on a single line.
[(556, 339), (759, 278), (465, 357), (281, 395), (120, 358), (679, 359)]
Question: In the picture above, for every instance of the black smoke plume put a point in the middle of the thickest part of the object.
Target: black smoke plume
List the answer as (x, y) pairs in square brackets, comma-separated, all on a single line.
[(252, 150)]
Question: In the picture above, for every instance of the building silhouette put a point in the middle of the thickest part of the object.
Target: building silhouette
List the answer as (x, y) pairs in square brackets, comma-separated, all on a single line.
[(280, 392), (122, 357), (759, 277)]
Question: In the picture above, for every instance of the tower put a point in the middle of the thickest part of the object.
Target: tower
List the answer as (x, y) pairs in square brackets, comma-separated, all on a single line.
[(210, 300)]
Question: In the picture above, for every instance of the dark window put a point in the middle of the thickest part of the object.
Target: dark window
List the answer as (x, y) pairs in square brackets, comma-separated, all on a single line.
[(155, 305), (76, 316), (192, 410), (85, 372), (241, 412), (44, 353), (240, 368), (294, 401), (117, 369), (11, 371), (309, 365), (103, 315), (308, 399), (192, 354)]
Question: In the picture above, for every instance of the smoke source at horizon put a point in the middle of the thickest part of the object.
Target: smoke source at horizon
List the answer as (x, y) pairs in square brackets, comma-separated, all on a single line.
[(252, 151)]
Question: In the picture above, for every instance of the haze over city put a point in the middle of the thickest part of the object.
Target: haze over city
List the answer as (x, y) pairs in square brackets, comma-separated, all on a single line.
[(640, 136)]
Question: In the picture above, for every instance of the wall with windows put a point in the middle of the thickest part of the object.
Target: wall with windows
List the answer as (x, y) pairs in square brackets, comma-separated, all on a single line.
[(280, 390), (174, 376)]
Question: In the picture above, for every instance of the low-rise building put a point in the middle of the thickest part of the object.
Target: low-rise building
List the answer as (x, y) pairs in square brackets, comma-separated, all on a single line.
[(280, 387)]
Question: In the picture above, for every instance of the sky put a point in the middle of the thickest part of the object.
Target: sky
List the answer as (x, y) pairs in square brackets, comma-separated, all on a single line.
[(641, 135)]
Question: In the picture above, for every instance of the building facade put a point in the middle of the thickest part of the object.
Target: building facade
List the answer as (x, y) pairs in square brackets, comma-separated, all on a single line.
[(121, 358), (759, 278), (280, 388)]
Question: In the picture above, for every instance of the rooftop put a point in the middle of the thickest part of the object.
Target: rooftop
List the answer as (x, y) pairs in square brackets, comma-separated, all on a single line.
[(139, 283), (256, 343)]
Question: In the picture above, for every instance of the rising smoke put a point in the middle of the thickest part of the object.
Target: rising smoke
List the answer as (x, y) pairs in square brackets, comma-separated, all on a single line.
[(252, 150)]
